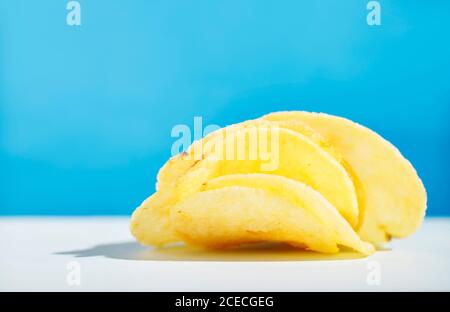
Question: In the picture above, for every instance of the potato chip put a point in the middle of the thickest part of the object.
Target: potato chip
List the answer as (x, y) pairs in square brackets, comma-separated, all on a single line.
[(233, 215), (390, 192), (300, 195), (180, 164)]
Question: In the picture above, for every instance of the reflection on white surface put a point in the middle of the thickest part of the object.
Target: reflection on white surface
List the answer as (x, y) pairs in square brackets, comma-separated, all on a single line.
[(258, 252)]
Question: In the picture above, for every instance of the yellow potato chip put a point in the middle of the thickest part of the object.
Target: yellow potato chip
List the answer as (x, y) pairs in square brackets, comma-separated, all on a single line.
[(300, 195), (233, 215), (181, 163), (391, 194)]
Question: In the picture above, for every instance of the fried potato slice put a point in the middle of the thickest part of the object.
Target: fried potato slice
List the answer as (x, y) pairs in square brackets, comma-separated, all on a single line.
[(179, 164), (150, 223), (237, 215), (300, 195), (391, 193), (240, 209)]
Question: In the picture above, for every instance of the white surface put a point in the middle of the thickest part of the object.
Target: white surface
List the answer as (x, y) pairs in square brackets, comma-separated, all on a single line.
[(35, 253)]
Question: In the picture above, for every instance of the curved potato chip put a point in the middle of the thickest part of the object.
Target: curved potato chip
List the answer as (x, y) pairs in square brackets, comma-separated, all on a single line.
[(393, 196), (300, 195), (179, 164), (150, 223), (235, 215)]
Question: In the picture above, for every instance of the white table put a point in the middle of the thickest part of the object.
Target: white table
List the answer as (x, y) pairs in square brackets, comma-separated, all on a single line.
[(87, 254)]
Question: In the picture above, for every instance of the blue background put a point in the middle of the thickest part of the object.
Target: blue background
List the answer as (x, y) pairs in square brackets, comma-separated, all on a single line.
[(86, 112)]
